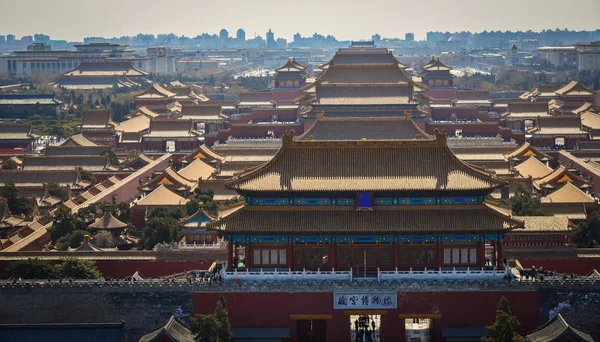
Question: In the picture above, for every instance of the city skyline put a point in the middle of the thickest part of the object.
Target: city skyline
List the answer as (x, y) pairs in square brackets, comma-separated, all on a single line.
[(356, 21)]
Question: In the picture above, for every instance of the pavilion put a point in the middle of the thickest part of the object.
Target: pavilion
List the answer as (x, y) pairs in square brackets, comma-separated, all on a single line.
[(16, 137), (104, 74), (98, 127), (362, 81), (290, 77), (108, 222), (436, 74)]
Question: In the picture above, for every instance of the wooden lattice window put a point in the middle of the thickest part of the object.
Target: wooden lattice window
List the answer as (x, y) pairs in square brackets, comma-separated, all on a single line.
[(269, 257), (460, 256)]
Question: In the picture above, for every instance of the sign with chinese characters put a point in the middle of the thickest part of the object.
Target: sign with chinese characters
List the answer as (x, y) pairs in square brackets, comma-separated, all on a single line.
[(374, 301)]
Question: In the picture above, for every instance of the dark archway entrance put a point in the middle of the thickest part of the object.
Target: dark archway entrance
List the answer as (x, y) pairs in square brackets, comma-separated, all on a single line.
[(311, 330)]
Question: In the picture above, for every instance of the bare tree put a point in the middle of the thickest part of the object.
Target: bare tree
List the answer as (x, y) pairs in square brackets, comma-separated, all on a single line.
[(104, 239)]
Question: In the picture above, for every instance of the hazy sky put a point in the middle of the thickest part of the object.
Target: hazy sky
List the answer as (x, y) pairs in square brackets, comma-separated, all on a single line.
[(345, 19)]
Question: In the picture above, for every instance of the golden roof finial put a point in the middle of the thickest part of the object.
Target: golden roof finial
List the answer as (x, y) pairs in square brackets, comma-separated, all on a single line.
[(408, 115)]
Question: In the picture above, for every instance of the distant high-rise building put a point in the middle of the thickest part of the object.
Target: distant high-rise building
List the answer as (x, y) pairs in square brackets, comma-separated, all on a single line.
[(376, 38), (281, 43), (41, 38), (27, 39), (241, 35), (2, 38), (409, 37), (271, 43), (224, 34), (10, 38)]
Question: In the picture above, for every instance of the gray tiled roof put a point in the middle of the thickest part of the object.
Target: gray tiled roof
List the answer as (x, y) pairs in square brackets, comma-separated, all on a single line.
[(74, 150), (425, 165), (250, 219), (67, 332), (344, 128), (90, 163), (15, 131), (38, 178), (557, 329), (173, 330)]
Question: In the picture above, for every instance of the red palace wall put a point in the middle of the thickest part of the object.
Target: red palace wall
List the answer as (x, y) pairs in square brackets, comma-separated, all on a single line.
[(122, 269), (570, 143), (265, 114), (468, 129), (461, 113), (577, 266), (454, 309), (442, 94), (260, 131), (149, 269)]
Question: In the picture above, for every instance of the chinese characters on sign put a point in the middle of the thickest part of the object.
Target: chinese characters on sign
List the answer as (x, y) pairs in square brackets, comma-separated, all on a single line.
[(365, 301)]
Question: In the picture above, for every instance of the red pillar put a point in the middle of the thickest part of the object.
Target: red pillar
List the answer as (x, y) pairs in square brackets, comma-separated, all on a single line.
[(439, 257), (290, 256), (481, 254), (396, 256), (333, 255), (248, 252), (229, 256), (236, 256), (500, 254)]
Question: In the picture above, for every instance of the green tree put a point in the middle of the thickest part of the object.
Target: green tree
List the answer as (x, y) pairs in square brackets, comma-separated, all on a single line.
[(165, 213), (9, 164), (112, 157), (222, 316), (72, 240), (255, 83), (161, 230), (64, 224), (524, 204), (505, 327), (206, 197), (18, 205), (88, 214), (124, 212), (54, 189), (31, 269), (76, 268), (211, 207), (192, 207), (206, 328), (587, 235), (87, 176), (213, 327), (212, 81)]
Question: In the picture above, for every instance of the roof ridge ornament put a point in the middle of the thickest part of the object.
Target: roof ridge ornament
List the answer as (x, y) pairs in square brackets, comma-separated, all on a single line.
[(288, 138), (440, 137)]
